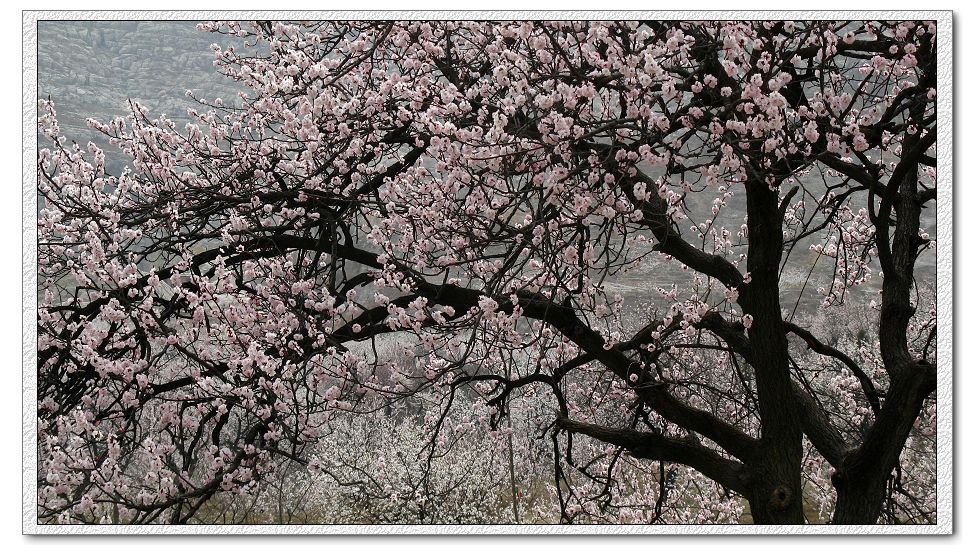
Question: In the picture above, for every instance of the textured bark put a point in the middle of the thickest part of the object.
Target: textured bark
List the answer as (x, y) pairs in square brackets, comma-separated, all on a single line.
[(775, 494)]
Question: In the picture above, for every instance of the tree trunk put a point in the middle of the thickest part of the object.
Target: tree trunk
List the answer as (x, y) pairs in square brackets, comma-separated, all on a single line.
[(776, 490), (859, 502), (862, 480), (775, 470)]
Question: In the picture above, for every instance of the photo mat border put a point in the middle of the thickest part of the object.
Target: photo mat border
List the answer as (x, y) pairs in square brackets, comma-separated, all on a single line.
[(945, 228)]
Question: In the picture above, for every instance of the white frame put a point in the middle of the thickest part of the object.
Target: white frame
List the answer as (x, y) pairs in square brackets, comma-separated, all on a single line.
[(944, 286)]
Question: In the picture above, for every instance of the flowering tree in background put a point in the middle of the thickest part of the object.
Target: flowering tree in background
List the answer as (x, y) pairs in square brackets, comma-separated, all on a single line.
[(440, 215)]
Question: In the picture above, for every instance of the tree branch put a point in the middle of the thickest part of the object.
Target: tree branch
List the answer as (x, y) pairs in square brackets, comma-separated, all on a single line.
[(645, 445)]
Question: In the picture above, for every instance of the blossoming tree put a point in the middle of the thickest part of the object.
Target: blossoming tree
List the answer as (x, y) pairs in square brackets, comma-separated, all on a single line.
[(580, 229)]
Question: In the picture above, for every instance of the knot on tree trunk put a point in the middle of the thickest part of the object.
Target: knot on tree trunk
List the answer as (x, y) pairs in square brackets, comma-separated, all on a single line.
[(780, 498)]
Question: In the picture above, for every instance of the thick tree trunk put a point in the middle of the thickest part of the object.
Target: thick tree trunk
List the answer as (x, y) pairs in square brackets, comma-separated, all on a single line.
[(776, 490), (775, 470), (859, 502)]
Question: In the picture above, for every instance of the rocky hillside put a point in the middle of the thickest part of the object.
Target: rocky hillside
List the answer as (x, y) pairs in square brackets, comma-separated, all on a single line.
[(91, 68)]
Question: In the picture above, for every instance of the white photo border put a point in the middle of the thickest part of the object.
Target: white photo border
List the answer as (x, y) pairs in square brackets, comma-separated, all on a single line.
[(945, 458)]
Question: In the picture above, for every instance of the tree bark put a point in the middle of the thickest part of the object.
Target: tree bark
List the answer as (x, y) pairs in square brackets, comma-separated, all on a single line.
[(775, 492)]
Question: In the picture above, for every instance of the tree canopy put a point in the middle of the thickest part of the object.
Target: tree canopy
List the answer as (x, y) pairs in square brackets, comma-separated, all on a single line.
[(682, 259)]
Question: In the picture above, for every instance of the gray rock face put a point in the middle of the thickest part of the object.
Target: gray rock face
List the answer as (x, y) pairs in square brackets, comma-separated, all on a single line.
[(92, 68)]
